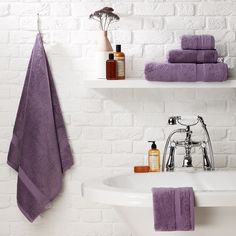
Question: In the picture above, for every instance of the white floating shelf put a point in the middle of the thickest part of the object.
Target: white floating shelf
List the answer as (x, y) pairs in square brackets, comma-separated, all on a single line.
[(142, 83)]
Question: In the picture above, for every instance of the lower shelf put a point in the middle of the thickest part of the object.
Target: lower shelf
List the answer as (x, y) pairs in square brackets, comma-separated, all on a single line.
[(142, 83)]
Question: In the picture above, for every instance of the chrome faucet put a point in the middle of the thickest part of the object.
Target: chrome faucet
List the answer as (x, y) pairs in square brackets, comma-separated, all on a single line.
[(187, 144)]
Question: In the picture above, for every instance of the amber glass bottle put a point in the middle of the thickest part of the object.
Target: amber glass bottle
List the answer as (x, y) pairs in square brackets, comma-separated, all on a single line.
[(120, 58), (111, 68)]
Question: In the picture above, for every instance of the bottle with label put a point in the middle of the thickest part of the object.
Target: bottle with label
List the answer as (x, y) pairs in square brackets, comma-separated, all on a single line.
[(154, 158), (119, 56), (111, 68)]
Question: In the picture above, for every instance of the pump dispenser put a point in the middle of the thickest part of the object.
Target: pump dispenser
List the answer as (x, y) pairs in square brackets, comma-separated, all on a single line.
[(154, 158)]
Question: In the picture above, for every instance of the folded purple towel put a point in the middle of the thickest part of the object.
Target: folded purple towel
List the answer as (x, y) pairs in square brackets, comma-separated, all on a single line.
[(186, 72), (173, 209), (192, 56), (39, 150), (198, 42)]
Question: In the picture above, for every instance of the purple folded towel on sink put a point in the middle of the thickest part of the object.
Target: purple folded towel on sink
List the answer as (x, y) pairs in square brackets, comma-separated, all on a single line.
[(197, 42), (192, 56), (173, 209), (186, 72)]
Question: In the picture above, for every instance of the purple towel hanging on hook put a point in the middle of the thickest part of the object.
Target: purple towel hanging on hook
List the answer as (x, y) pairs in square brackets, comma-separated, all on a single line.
[(39, 150)]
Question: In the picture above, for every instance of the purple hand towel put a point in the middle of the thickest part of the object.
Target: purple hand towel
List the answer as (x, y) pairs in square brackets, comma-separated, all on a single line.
[(186, 72), (173, 209), (39, 150), (198, 42), (192, 56)]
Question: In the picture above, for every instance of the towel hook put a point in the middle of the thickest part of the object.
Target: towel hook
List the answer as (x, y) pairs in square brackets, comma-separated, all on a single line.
[(38, 23)]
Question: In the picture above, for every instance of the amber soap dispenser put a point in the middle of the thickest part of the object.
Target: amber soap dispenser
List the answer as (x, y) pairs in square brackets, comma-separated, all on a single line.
[(119, 56), (111, 68), (154, 158)]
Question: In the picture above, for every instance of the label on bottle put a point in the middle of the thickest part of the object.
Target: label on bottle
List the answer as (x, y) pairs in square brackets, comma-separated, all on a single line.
[(153, 163), (120, 66)]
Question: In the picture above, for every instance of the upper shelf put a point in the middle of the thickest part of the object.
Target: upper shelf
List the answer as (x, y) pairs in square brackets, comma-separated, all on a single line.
[(141, 83)]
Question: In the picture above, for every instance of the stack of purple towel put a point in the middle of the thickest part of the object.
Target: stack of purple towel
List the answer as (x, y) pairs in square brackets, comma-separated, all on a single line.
[(196, 61)]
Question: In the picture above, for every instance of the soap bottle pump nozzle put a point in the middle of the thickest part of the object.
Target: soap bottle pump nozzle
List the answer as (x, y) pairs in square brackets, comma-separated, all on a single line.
[(154, 146)]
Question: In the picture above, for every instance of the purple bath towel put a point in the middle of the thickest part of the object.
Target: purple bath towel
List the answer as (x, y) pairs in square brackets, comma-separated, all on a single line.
[(39, 150), (198, 42), (192, 56), (173, 209), (186, 72)]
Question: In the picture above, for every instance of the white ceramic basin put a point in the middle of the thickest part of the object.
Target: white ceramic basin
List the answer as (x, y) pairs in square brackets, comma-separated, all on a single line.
[(130, 195)]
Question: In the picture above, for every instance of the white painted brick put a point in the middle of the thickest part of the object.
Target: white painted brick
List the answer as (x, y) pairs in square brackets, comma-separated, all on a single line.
[(22, 37), (217, 134), (22, 9), (64, 23), (195, 107), (188, 22), (218, 94), (154, 37), (4, 92), (122, 36), (6, 119), (5, 202), (224, 148), (61, 37), (92, 146), (122, 160), (232, 134), (9, 23), (91, 216), (226, 119), (121, 133), (28, 23), (5, 229), (122, 106), (232, 161), (154, 9), (4, 62), (153, 23), (4, 9), (19, 64), (128, 23), (150, 119), (153, 106), (216, 106), (4, 173), (154, 134), (216, 8), (217, 23), (92, 133), (4, 37), (221, 49), (60, 9), (232, 49), (124, 9), (153, 51), (91, 161), (91, 119), (122, 119), (232, 22), (185, 9), (122, 147), (85, 9)]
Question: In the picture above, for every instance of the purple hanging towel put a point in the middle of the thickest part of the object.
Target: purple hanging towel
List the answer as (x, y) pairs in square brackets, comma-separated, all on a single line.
[(173, 209), (39, 150)]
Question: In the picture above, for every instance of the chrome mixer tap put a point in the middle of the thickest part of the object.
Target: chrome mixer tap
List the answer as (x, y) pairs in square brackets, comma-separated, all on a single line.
[(187, 144)]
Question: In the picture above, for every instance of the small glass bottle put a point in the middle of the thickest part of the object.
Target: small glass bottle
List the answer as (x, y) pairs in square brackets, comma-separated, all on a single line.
[(120, 58), (111, 68)]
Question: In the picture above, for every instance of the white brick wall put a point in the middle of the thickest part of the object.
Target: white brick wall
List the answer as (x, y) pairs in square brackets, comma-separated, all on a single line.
[(108, 129)]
